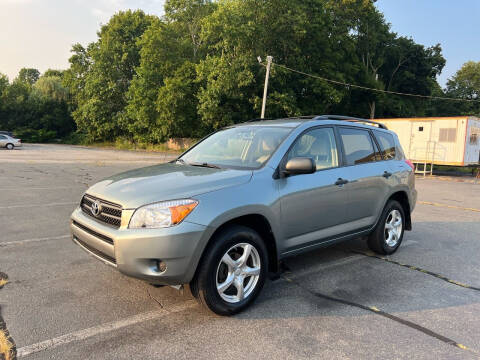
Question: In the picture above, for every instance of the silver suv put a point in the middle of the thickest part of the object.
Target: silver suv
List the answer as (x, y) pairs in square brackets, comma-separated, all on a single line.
[(225, 213)]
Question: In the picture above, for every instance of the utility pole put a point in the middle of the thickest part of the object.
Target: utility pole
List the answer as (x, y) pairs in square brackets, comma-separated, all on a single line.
[(269, 64)]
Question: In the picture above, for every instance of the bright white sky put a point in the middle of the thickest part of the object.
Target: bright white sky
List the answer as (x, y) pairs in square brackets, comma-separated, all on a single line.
[(40, 33)]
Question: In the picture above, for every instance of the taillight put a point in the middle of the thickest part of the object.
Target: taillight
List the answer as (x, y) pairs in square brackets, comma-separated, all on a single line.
[(19, 140), (410, 164)]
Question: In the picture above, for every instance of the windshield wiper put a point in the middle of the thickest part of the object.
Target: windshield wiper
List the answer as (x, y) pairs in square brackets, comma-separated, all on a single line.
[(207, 165)]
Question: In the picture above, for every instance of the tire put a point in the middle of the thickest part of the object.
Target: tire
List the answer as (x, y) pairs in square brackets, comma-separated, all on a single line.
[(385, 239), (9, 146), (216, 269)]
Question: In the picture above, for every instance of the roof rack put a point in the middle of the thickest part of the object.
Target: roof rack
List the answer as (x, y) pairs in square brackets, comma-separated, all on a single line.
[(330, 117), (350, 118), (257, 119)]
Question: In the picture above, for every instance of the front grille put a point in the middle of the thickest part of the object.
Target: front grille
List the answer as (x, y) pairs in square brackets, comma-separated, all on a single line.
[(109, 213)]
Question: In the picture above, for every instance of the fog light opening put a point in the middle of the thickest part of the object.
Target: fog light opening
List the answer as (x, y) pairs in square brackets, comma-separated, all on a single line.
[(161, 266)]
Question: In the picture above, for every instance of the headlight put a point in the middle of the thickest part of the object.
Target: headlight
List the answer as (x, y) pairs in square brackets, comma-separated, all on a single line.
[(162, 214)]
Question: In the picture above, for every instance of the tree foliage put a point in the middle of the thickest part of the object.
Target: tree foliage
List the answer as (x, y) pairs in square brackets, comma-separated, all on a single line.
[(37, 110), (195, 70), (28, 75)]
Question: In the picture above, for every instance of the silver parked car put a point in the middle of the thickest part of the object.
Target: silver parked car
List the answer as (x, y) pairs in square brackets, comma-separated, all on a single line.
[(225, 213), (9, 142)]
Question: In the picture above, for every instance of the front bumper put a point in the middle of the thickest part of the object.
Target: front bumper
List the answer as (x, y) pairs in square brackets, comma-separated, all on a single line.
[(136, 252)]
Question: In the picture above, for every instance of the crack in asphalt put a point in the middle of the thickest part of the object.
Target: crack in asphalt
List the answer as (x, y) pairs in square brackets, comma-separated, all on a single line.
[(379, 312), (416, 268), (153, 298)]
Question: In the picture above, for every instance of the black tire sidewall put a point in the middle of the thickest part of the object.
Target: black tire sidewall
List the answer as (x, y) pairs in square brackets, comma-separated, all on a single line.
[(377, 240), (392, 205), (207, 288)]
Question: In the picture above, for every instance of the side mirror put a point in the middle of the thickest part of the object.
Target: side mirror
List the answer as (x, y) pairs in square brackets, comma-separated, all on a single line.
[(299, 165)]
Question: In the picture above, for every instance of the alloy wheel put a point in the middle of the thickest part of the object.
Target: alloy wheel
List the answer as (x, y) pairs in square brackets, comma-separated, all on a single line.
[(393, 227), (238, 272)]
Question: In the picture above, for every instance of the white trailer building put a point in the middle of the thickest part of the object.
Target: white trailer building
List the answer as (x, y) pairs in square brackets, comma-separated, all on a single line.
[(439, 140)]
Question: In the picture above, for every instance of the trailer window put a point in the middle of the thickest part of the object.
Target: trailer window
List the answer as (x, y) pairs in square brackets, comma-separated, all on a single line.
[(474, 135), (387, 145), (448, 135)]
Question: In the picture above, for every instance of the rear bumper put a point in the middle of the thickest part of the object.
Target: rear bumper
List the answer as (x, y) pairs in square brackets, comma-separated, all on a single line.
[(136, 252)]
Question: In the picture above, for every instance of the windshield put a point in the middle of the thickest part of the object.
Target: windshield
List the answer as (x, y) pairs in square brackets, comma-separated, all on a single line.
[(244, 147)]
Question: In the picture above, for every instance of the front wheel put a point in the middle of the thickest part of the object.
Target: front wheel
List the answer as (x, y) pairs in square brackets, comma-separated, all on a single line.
[(232, 272), (388, 235), (9, 146)]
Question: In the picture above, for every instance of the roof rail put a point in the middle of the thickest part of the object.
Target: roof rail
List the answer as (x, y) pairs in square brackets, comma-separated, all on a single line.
[(350, 118), (330, 117), (256, 119)]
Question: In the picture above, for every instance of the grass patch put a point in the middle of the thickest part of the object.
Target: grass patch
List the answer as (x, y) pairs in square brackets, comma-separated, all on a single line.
[(456, 170), (121, 144)]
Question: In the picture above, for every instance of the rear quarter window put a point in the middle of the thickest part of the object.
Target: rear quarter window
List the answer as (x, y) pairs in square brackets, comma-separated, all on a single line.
[(387, 145)]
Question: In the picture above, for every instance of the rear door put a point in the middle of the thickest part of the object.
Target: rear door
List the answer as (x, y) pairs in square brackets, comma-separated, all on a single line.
[(368, 175), (3, 140), (393, 157), (313, 205)]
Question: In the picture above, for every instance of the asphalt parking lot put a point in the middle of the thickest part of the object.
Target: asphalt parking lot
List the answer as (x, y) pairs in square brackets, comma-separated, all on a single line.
[(60, 303)]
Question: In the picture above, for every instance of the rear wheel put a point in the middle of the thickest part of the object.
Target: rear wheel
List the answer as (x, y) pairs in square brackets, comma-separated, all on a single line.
[(232, 272), (9, 146), (388, 235)]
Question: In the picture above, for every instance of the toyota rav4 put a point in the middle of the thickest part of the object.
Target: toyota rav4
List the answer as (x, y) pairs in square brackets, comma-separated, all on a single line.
[(225, 213)]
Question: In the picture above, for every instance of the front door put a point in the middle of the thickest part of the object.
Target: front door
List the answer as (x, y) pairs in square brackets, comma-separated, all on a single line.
[(313, 205)]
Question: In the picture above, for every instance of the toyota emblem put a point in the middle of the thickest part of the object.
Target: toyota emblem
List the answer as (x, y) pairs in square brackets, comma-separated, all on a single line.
[(96, 208)]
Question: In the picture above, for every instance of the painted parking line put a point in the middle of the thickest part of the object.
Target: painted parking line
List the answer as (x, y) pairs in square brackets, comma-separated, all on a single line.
[(448, 206), (26, 241), (38, 205), (101, 329)]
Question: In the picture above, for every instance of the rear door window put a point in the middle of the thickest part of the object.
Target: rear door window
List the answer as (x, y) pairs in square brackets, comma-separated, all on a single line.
[(387, 145), (358, 146)]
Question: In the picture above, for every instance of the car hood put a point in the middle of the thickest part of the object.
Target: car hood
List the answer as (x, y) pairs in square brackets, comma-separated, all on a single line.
[(170, 181)]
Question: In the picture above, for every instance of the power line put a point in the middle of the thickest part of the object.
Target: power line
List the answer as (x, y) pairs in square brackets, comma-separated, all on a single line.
[(371, 89)]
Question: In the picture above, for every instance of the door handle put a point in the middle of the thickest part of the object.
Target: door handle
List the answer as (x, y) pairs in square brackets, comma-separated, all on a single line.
[(341, 182), (387, 174)]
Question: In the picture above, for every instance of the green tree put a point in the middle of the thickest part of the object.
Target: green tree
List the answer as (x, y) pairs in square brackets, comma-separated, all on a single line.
[(161, 53), (101, 89), (177, 105), (53, 72), (464, 84), (51, 87), (28, 75), (165, 47)]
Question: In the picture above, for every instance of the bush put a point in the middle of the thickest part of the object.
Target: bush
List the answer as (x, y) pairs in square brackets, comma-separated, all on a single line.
[(36, 136), (75, 138)]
